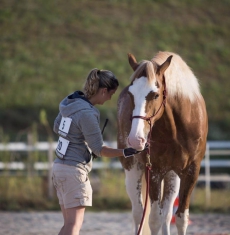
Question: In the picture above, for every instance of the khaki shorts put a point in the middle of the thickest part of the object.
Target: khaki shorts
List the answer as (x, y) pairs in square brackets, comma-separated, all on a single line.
[(72, 185)]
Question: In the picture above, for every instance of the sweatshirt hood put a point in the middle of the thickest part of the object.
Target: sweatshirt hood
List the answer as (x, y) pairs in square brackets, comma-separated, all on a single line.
[(73, 103)]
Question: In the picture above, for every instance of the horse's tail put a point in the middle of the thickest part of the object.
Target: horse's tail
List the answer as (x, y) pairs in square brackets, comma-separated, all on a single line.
[(146, 230)]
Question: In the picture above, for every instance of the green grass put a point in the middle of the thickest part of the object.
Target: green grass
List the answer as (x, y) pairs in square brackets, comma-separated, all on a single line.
[(25, 193), (47, 49), (219, 202), (21, 193), (112, 193)]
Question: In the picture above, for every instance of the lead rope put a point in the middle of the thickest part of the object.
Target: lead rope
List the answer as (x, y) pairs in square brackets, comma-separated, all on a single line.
[(147, 171)]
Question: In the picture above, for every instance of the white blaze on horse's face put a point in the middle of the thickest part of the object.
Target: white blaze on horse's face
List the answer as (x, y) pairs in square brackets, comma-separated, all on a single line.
[(140, 88)]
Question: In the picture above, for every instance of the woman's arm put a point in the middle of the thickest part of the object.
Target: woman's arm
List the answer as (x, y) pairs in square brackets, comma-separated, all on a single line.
[(111, 152), (89, 126)]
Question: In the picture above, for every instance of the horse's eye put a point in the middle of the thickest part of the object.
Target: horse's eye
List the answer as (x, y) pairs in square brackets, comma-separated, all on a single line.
[(156, 96)]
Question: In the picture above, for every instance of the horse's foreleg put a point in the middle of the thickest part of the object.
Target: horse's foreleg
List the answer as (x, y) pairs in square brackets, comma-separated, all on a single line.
[(170, 192), (155, 217), (188, 181), (133, 181)]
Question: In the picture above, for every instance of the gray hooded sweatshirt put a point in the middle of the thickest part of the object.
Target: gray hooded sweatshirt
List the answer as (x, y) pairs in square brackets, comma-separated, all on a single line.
[(84, 133)]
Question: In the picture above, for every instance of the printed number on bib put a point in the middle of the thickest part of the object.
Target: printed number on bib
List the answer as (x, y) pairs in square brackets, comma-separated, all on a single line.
[(64, 126), (62, 147)]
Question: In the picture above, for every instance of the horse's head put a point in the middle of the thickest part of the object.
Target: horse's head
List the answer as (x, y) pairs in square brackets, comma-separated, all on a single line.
[(148, 94)]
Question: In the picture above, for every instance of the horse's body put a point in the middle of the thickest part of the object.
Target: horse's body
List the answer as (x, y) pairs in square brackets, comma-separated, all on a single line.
[(177, 137)]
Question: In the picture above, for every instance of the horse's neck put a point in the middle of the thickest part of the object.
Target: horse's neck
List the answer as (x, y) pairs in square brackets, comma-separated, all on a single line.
[(174, 119)]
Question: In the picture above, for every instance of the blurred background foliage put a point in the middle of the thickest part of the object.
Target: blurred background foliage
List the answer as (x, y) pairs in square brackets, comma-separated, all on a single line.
[(48, 47)]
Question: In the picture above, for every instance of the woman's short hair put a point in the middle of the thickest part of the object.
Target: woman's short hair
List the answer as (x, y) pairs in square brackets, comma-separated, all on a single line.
[(99, 79)]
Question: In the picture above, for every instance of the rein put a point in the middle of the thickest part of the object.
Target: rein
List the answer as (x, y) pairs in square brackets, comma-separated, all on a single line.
[(148, 163)]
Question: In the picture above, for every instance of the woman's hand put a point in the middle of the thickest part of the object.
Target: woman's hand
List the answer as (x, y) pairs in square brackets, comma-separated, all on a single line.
[(129, 152)]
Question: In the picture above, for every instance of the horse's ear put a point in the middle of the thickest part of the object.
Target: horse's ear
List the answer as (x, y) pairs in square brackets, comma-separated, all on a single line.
[(132, 61), (161, 69)]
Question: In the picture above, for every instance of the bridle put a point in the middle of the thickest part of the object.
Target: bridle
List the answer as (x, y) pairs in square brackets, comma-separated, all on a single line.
[(148, 163), (148, 119)]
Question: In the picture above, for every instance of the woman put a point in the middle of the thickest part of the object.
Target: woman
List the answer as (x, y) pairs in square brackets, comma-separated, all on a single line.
[(77, 125)]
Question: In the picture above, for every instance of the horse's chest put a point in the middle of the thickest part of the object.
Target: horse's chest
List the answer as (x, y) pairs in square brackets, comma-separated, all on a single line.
[(167, 155)]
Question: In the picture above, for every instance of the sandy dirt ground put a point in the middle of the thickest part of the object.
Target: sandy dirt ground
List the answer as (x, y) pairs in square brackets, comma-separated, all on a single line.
[(102, 223)]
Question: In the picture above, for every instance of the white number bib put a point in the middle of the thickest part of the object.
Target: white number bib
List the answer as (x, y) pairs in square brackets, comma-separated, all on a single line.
[(64, 126), (62, 147)]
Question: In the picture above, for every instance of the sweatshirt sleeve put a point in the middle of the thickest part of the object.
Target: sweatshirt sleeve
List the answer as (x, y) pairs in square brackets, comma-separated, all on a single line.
[(57, 123), (89, 125)]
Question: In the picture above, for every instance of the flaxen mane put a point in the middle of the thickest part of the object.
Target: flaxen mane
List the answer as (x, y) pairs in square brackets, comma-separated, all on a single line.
[(180, 80)]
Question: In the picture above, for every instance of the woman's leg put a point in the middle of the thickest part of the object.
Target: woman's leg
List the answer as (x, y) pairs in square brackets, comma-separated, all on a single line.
[(64, 217), (73, 219)]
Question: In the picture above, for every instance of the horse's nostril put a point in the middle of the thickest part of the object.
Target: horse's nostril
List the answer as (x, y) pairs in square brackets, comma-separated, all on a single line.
[(137, 143), (142, 140)]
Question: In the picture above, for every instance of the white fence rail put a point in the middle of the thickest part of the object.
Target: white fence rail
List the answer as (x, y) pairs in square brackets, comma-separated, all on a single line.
[(220, 148)]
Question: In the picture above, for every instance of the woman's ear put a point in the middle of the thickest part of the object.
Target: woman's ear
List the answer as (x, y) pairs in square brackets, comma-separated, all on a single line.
[(105, 90)]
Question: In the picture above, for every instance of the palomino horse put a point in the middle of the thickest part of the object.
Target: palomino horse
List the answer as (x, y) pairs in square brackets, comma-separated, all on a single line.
[(163, 107)]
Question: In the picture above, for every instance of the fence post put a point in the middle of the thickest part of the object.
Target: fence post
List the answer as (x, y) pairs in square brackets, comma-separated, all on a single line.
[(50, 158), (207, 176), (30, 143)]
